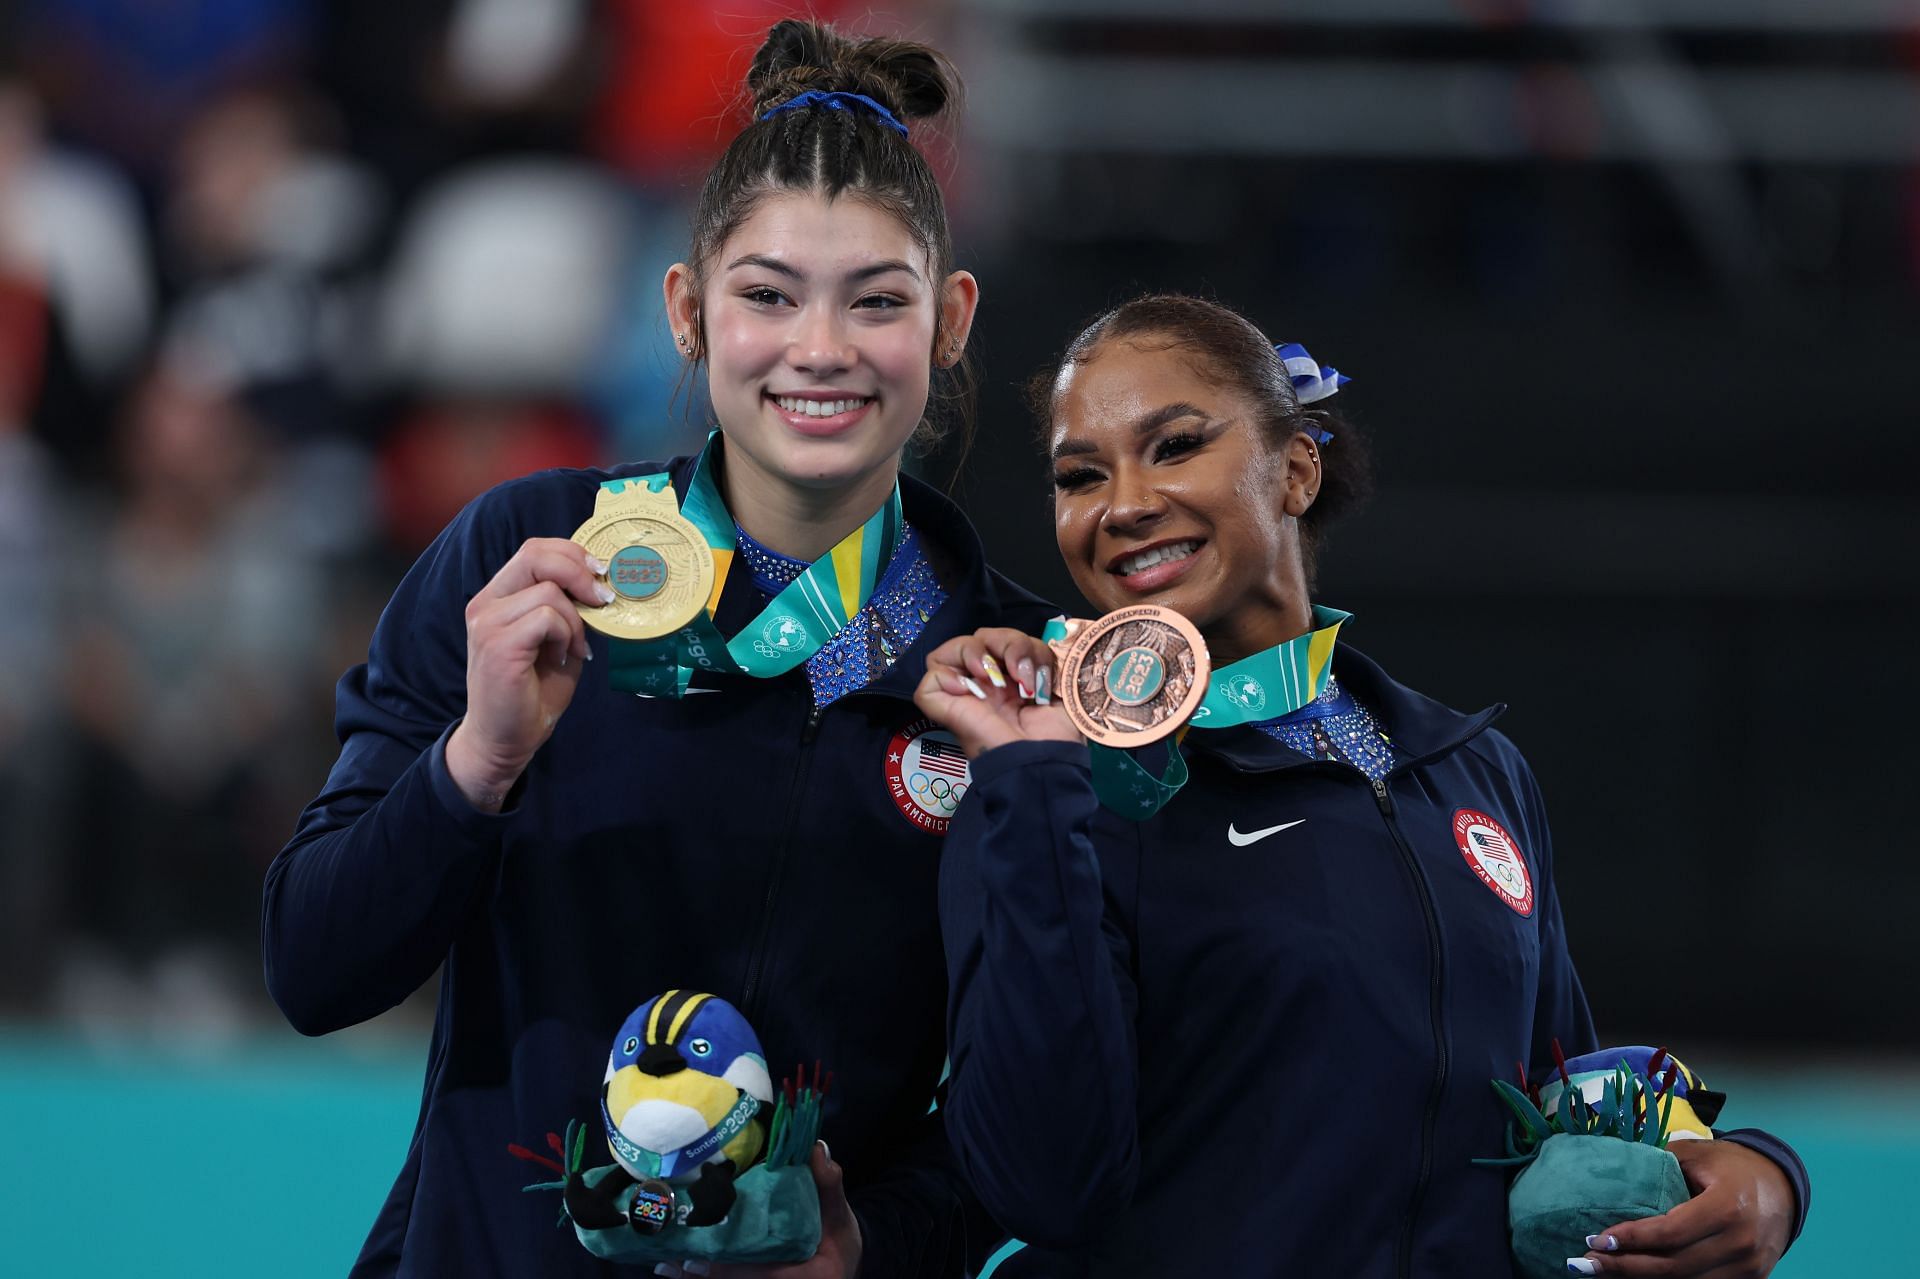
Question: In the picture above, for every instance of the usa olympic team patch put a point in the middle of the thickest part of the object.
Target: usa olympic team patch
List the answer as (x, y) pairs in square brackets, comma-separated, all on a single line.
[(1492, 855), (927, 775)]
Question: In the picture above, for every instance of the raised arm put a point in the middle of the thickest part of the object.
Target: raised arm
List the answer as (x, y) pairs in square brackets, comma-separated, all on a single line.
[(387, 862), (1041, 1102)]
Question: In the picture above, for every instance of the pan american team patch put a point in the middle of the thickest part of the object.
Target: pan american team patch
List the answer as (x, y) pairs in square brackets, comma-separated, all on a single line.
[(927, 775), (1492, 855)]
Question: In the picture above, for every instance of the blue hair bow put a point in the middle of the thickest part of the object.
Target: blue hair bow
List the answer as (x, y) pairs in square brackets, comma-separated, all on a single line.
[(839, 102), (1310, 381)]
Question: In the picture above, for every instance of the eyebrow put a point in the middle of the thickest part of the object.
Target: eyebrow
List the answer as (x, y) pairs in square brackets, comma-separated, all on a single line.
[(778, 267), (1146, 424)]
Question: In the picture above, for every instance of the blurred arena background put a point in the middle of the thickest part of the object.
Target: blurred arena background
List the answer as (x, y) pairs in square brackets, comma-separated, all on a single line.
[(1627, 288)]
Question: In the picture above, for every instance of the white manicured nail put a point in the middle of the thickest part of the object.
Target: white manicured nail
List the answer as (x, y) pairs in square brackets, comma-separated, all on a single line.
[(1042, 691), (693, 1267), (1581, 1266), (992, 668), (974, 688), (1603, 1243), (594, 563)]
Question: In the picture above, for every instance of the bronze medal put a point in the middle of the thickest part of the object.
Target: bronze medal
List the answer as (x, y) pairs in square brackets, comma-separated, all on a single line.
[(1133, 676), (658, 566)]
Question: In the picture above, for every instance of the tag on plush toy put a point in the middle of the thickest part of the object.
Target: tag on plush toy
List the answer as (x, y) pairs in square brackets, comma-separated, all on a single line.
[(708, 1163), (1593, 1141)]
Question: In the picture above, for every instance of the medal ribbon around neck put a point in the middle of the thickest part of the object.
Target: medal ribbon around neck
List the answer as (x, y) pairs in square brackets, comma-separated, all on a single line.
[(813, 608), (1269, 684)]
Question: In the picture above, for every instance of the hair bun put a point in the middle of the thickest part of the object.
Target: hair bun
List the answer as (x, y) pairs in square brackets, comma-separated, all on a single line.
[(914, 81)]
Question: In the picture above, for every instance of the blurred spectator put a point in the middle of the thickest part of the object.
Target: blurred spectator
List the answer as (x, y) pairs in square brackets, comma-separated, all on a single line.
[(497, 308), (27, 647), (449, 451), (78, 281), (429, 85), (257, 179), (191, 623), (505, 277), (661, 117), (269, 232), (127, 75)]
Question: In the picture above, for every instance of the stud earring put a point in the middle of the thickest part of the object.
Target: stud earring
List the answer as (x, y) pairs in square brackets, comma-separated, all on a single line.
[(684, 344)]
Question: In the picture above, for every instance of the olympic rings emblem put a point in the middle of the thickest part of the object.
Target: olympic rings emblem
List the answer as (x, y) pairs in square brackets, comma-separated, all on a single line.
[(937, 790)]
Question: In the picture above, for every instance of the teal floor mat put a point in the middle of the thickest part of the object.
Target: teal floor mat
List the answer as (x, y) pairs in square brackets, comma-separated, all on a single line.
[(200, 1137)]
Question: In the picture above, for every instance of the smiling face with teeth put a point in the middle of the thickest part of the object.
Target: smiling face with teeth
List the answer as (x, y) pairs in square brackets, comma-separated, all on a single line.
[(1166, 491), (817, 321)]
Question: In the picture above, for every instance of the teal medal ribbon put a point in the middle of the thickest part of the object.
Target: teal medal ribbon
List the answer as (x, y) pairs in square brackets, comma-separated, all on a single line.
[(1275, 682), (813, 608)]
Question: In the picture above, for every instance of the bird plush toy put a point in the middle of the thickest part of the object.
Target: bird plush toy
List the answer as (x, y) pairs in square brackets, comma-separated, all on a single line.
[(1592, 1141), (707, 1162), (684, 1082)]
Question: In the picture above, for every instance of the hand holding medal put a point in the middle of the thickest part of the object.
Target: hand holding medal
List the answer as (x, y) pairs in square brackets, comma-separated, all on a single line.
[(636, 570), (659, 571), (1127, 679), (525, 647), (1131, 677), (993, 687)]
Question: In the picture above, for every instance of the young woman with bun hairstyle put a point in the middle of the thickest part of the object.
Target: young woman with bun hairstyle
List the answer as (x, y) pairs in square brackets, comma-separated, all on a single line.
[(1245, 1025), (507, 810)]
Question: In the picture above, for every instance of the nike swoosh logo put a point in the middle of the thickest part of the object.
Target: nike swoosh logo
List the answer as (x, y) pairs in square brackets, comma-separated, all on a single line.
[(1238, 840)]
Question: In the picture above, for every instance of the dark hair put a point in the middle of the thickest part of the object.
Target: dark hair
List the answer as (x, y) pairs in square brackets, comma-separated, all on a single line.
[(840, 152), (1226, 347)]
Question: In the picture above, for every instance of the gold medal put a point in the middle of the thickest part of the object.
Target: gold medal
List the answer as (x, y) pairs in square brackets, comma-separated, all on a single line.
[(658, 566), (1133, 676)]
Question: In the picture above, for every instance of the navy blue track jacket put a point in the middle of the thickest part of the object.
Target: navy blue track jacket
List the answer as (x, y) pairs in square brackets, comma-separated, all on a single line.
[(739, 842), (1253, 1035)]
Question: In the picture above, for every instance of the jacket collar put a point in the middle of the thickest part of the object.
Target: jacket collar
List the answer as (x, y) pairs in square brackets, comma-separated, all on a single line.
[(1420, 728), (976, 596)]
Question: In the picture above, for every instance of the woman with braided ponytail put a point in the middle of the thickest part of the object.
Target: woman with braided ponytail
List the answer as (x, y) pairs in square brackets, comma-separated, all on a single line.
[(564, 824)]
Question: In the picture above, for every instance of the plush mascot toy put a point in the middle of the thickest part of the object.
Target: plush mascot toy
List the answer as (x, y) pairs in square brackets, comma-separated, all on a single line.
[(708, 1163), (1592, 1144)]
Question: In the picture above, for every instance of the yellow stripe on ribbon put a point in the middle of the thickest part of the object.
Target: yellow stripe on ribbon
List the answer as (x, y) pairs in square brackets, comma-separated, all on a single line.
[(1320, 653), (846, 570), (722, 561)]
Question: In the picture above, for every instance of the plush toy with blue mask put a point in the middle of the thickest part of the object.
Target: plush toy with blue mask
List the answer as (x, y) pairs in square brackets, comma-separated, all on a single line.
[(707, 1162)]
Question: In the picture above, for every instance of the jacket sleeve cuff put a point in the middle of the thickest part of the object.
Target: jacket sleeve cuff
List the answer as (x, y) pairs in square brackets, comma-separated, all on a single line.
[(469, 820), (1015, 757), (1765, 1143)]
